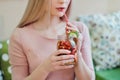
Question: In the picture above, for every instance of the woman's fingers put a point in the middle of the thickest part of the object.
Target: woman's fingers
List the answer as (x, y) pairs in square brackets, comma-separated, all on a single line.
[(64, 57), (71, 27), (64, 67), (70, 24), (63, 62), (62, 51)]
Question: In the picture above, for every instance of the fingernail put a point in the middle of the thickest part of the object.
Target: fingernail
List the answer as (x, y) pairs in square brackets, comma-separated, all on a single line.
[(72, 56), (69, 51)]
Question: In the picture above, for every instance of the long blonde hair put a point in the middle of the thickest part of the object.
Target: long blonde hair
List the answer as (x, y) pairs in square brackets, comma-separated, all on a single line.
[(36, 9)]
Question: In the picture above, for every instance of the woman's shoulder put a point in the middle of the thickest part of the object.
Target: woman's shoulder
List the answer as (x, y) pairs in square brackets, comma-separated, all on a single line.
[(15, 32), (18, 32)]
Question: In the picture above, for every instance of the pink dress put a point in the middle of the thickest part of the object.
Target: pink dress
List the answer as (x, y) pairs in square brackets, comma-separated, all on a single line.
[(27, 49)]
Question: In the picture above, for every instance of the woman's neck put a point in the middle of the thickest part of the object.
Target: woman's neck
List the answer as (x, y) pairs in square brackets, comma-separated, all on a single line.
[(54, 21), (50, 27), (47, 23)]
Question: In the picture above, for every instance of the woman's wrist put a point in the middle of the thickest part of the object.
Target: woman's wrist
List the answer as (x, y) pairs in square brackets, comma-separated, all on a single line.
[(79, 55), (79, 58), (45, 68)]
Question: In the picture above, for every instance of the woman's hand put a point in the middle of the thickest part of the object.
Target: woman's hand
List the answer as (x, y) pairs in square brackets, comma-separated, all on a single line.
[(72, 27), (55, 62), (83, 66)]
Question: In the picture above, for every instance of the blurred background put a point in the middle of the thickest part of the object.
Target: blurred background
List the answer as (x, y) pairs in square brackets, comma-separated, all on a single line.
[(102, 18)]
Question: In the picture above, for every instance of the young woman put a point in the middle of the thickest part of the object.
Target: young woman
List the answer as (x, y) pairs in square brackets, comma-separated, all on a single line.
[(33, 45)]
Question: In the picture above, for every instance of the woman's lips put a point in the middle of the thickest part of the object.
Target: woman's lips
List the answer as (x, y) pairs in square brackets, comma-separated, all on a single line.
[(61, 9)]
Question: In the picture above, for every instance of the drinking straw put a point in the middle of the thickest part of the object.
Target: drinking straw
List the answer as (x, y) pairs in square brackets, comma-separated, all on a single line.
[(66, 18)]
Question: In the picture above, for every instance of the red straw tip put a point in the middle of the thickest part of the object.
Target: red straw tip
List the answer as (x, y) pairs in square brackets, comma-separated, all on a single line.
[(66, 18)]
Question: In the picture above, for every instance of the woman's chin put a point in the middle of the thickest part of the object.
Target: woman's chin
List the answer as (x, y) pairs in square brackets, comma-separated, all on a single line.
[(60, 14)]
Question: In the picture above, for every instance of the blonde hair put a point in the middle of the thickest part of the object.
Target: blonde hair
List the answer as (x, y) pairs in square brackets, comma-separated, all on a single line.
[(36, 10)]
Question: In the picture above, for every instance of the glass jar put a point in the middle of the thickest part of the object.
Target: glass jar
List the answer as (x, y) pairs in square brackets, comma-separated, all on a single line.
[(66, 43), (63, 43)]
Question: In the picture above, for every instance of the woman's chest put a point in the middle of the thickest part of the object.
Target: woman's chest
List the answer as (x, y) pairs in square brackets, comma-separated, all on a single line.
[(37, 50)]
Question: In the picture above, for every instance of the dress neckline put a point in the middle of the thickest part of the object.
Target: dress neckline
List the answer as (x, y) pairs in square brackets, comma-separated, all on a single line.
[(38, 33)]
